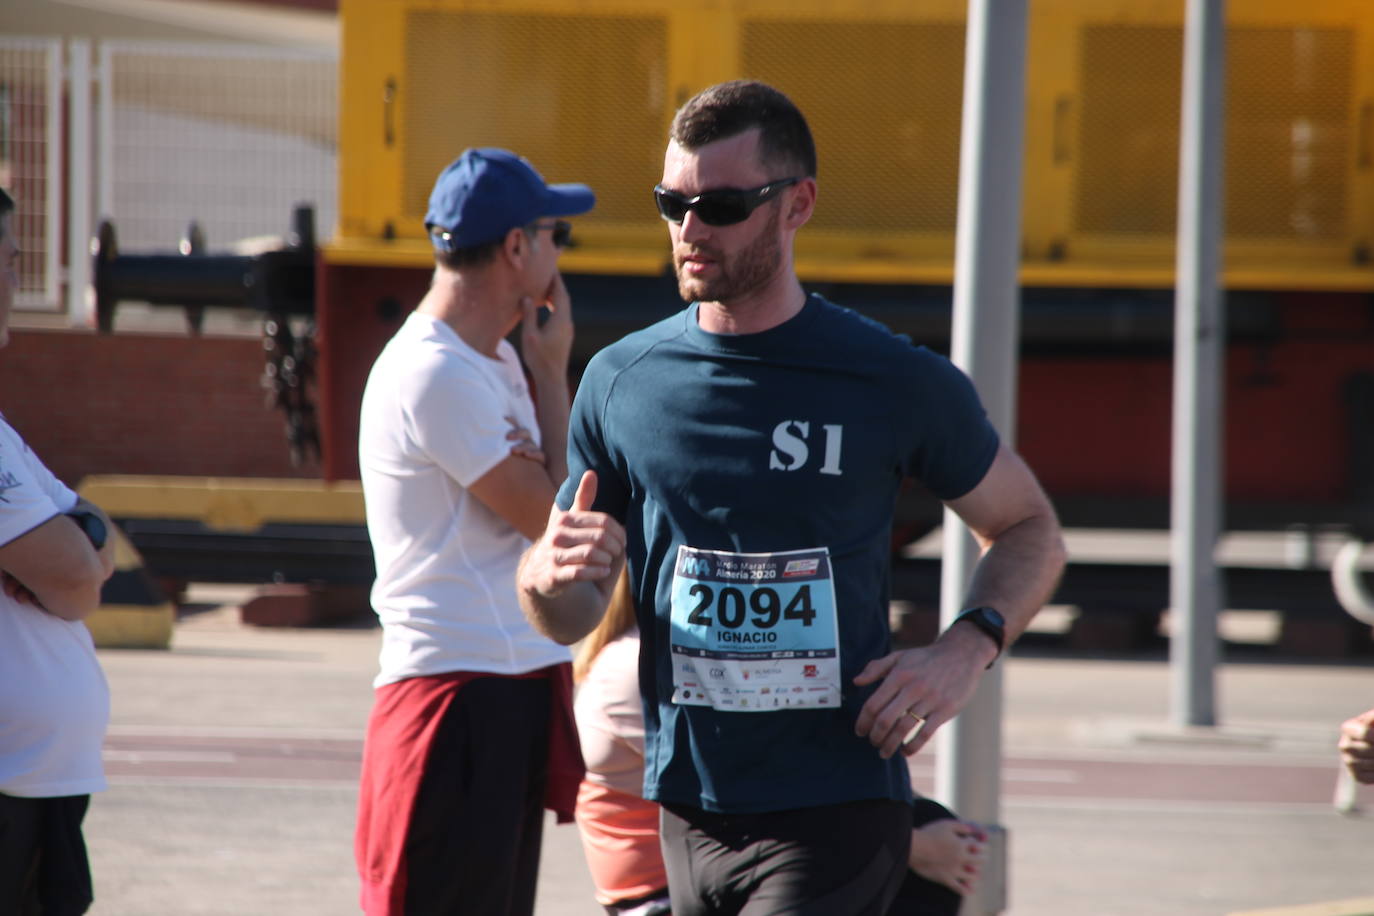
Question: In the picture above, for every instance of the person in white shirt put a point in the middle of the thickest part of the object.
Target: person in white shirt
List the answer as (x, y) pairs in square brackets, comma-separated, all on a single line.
[(471, 735), (55, 554)]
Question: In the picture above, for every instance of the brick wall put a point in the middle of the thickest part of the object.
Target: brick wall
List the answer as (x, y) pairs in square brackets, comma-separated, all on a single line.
[(133, 403)]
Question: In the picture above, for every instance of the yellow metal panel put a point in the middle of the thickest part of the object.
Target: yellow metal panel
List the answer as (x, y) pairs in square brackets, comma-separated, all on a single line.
[(1128, 142), (888, 131), (369, 94), (143, 619), (1051, 135), (122, 626), (1114, 271), (1287, 132), (582, 96), (704, 50), (586, 89), (227, 503), (1289, 139), (1361, 166), (630, 261)]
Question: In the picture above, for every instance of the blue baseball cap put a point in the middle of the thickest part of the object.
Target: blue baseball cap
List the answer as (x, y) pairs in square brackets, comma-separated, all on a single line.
[(485, 193)]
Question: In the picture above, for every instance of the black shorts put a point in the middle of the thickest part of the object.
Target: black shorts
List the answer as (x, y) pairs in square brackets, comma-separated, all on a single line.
[(43, 864), (832, 860), (474, 837)]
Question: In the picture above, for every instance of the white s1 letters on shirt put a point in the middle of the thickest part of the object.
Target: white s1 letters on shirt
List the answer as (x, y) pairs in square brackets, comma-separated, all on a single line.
[(790, 451)]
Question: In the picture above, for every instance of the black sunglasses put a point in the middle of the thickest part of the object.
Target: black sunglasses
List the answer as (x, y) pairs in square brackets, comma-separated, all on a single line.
[(723, 207), (562, 231)]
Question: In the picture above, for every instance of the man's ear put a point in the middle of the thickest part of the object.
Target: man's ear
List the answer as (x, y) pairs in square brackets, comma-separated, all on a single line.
[(515, 247), (801, 204)]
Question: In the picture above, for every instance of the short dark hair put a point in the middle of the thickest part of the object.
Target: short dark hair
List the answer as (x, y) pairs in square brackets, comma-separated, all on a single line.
[(476, 255), (472, 256), (727, 109), (6, 202)]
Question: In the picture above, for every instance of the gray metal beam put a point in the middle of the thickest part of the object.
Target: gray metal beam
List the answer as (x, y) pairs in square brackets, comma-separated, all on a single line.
[(984, 344), (1199, 351)]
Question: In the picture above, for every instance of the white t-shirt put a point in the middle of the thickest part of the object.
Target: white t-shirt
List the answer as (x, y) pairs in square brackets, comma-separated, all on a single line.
[(54, 702), (434, 419)]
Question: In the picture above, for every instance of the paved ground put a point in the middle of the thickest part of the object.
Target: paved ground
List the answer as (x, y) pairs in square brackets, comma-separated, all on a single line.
[(233, 759)]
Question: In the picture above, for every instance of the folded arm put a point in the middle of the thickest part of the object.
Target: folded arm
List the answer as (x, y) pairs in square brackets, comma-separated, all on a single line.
[(55, 567)]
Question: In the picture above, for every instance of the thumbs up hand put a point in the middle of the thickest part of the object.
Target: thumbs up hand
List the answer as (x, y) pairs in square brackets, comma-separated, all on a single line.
[(586, 493), (578, 546)]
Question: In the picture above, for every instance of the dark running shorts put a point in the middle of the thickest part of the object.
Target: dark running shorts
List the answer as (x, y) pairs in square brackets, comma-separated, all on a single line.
[(833, 860)]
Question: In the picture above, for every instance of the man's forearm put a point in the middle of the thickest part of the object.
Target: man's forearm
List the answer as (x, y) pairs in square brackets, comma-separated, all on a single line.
[(552, 408), (54, 567), (567, 616), (1020, 571)]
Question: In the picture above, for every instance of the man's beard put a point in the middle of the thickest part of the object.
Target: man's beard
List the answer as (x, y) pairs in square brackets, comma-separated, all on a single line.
[(737, 275)]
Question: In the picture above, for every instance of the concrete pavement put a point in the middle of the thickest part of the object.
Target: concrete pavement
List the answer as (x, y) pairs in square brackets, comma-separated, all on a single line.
[(233, 759)]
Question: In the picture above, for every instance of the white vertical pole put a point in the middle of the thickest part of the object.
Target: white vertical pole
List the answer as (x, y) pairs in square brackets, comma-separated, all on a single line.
[(52, 203), (79, 229), (105, 139), (1199, 342), (985, 332)]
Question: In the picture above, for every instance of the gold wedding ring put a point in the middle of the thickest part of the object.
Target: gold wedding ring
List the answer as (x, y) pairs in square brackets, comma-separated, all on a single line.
[(915, 718)]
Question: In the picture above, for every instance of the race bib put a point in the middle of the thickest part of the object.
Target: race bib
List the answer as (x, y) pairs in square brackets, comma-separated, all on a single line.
[(754, 632)]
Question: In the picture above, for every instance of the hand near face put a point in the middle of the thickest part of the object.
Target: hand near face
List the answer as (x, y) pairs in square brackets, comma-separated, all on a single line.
[(547, 345)]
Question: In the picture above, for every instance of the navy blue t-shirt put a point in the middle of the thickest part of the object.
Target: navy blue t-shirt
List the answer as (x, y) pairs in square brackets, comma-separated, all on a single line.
[(793, 438)]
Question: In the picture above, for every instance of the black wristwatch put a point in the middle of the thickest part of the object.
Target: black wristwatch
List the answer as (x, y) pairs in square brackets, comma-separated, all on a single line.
[(991, 622), (92, 525)]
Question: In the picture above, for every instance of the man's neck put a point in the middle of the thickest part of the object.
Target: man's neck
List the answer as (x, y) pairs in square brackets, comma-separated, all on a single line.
[(472, 310), (753, 314)]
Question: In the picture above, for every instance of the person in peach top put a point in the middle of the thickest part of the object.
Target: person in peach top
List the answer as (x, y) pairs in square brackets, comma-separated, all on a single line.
[(619, 826)]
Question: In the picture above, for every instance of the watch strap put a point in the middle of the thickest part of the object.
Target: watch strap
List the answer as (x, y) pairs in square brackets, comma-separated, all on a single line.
[(91, 525), (993, 625)]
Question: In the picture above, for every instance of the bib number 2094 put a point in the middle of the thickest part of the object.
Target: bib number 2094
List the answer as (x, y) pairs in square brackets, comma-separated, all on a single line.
[(764, 602)]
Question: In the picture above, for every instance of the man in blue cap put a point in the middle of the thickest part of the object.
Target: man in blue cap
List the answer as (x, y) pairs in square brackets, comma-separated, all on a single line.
[(471, 735)]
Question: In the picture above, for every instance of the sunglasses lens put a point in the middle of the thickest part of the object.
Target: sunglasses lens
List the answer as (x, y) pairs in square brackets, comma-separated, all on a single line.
[(670, 206), (722, 208), (562, 233)]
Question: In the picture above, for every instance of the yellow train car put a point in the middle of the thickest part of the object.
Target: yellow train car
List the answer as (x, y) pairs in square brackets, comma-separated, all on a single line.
[(587, 88)]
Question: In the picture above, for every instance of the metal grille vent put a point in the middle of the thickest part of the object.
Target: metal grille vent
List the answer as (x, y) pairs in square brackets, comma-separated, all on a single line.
[(583, 98), (883, 101), (1287, 134)]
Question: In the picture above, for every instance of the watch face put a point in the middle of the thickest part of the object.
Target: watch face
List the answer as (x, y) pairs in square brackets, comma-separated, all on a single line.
[(96, 531), (991, 622), (93, 526)]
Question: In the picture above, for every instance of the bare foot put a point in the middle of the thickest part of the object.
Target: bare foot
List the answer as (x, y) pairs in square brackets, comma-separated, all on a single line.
[(950, 852)]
